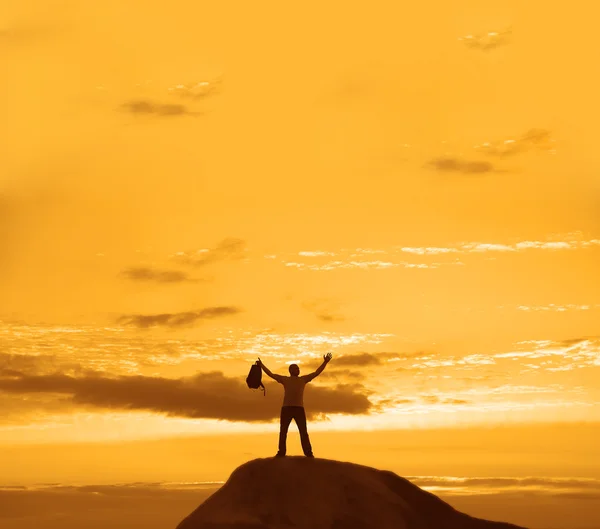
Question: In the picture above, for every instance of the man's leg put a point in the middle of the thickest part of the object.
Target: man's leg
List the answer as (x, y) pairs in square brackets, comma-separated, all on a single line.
[(300, 416), (284, 423)]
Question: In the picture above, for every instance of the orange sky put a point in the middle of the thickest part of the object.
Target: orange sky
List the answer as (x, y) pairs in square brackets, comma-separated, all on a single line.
[(186, 187)]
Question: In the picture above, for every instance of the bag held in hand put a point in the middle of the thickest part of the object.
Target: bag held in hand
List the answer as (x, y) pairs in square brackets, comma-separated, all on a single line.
[(254, 378)]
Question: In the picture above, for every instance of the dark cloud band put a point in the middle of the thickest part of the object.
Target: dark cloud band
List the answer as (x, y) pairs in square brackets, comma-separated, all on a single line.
[(177, 319), (147, 274), (203, 396)]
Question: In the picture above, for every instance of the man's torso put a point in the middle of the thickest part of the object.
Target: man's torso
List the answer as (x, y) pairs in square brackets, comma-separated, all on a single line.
[(294, 391)]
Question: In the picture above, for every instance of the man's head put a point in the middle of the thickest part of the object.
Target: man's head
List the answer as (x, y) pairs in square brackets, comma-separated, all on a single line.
[(294, 370)]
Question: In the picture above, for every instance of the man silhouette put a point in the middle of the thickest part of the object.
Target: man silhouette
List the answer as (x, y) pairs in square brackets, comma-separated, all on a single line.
[(293, 403)]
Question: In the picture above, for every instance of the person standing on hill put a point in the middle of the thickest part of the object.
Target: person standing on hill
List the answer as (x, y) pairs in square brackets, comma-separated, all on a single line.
[(293, 403)]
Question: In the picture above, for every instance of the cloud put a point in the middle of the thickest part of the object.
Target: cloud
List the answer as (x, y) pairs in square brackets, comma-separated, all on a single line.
[(25, 33), (364, 265), (557, 308), (158, 276), (177, 319), (549, 484), (488, 41), (368, 359), (533, 139), (317, 253), (69, 507), (428, 250), (160, 505), (324, 310), (555, 356), (5, 372), (451, 164), (34, 363), (203, 396), (110, 349), (198, 90), (577, 341), (346, 374), (434, 399), (360, 359), (327, 317), (230, 248), (361, 258), (194, 91), (455, 401), (141, 106)]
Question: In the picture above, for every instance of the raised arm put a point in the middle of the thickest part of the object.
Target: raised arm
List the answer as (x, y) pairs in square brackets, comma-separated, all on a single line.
[(268, 371), (320, 369)]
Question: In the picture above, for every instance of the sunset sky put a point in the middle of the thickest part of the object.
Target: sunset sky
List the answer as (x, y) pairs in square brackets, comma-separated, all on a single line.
[(187, 186)]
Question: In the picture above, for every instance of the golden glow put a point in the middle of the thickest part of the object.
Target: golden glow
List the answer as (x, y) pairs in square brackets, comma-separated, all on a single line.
[(188, 187)]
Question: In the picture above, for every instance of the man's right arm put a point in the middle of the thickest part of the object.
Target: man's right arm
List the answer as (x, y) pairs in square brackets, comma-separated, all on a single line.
[(267, 371)]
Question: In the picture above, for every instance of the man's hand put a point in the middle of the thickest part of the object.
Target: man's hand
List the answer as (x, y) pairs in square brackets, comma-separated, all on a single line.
[(259, 362), (327, 357)]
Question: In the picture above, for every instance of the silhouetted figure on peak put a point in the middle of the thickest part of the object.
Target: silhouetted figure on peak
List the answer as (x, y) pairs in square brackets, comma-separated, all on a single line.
[(293, 403)]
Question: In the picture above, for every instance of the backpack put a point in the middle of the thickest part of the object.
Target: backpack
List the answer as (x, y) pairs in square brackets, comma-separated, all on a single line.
[(254, 378)]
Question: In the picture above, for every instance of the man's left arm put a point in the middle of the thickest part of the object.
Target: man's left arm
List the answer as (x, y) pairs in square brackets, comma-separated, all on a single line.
[(315, 374)]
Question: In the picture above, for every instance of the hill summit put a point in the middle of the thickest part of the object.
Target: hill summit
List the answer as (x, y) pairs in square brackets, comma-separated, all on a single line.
[(305, 493)]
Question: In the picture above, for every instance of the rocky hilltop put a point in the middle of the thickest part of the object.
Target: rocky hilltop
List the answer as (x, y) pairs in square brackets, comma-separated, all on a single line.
[(304, 493)]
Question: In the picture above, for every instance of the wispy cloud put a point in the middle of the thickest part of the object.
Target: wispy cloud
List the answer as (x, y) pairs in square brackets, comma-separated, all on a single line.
[(147, 274), (315, 254), (124, 350), (53, 505), (487, 41), (555, 356), (539, 139), (485, 485), (197, 90), (11, 363), (324, 309), (359, 359), (228, 249), (363, 359), (397, 256), (558, 308), (434, 399), (177, 319), (428, 250), (534, 355), (450, 164), (27, 32), (342, 374), (363, 265), (461, 483), (146, 107)]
